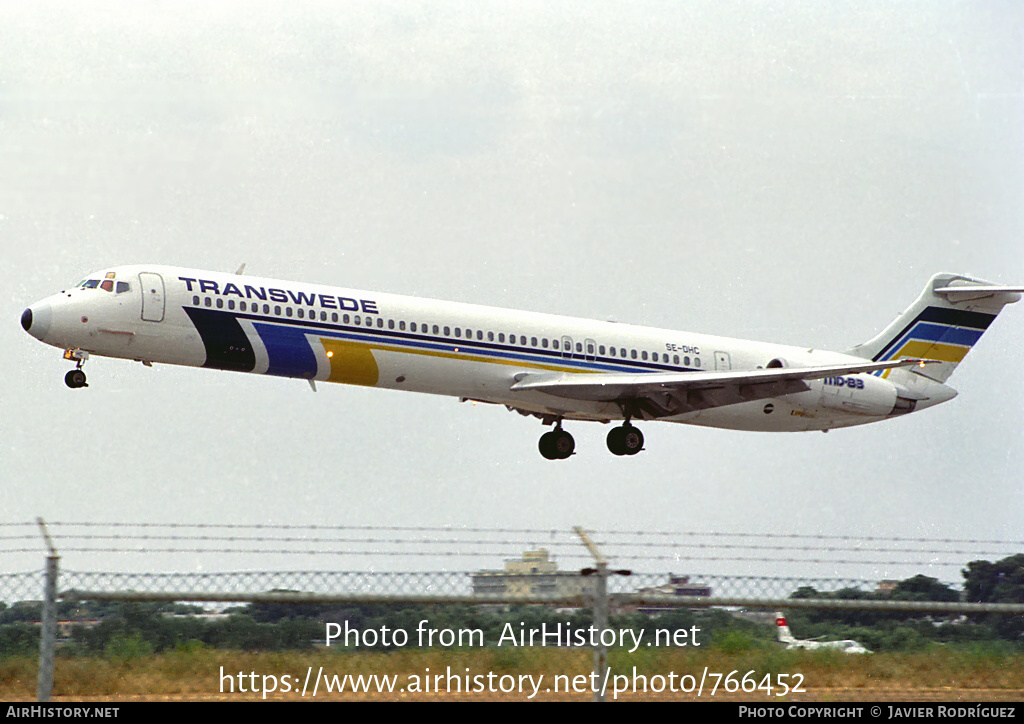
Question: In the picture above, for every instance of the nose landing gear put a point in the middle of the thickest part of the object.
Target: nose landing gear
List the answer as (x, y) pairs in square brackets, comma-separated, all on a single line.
[(76, 378)]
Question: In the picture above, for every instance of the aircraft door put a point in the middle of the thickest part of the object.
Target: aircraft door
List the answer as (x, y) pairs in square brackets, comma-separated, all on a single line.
[(152, 296), (722, 362)]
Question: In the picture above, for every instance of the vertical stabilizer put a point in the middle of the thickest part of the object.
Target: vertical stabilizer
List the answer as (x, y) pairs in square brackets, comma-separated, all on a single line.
[(783, 628), (943, 324)]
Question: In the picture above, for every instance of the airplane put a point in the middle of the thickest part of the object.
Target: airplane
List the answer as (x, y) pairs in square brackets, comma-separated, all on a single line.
[(551, 367), (847, 646)]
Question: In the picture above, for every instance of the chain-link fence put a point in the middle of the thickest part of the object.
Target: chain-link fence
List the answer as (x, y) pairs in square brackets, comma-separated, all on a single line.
[(360, 634), (529, 630)]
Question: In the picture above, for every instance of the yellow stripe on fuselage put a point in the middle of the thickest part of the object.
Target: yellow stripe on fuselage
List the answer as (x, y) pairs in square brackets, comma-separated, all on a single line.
[(353, 362)]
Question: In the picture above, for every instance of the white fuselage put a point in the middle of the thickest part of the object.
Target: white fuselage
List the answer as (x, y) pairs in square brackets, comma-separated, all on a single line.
[(319, 333)]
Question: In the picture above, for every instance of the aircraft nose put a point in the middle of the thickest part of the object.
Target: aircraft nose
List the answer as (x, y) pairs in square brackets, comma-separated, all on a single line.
[(36, 320)]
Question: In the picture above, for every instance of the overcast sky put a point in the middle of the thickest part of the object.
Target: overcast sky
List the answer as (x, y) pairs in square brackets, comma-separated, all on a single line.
[(780, 171)]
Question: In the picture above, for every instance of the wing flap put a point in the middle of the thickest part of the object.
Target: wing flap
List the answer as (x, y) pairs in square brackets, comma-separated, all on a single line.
[(689, 391)]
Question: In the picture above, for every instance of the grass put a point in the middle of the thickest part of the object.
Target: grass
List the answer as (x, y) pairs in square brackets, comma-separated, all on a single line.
[(195, 672)]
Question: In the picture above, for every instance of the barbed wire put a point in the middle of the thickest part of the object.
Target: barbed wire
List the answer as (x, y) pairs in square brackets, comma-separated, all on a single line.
[(453, 541), (480, 542), (490, 554), (553, 532)]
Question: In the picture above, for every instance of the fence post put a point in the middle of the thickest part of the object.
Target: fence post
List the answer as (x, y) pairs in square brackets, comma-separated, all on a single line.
[(600, 593), (48, 634)]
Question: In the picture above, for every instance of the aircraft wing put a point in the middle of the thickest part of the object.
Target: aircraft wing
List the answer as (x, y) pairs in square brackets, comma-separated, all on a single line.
[(662, 394)]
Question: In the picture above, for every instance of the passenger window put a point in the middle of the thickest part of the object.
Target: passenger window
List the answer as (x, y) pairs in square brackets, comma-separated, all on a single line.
[(533, 341), (288, 311), (391, 324), (231, 304), (301, 312), (501, 336), (458, 332), (356, 319), (490, 336), (334, 316), (401, 326), (207, 302), (195, 300), (447, 332), (632, 353)]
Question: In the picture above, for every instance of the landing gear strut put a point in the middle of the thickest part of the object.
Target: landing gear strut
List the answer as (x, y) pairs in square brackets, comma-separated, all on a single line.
[(76, 377), (625, 440), (557, 444)]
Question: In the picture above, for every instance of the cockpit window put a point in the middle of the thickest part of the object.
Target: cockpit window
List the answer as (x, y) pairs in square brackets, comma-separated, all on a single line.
[(122, 287), (90, 284), (107, 285)]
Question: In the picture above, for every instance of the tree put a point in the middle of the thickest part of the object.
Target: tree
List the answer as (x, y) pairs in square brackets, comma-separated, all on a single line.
[(999, 582)]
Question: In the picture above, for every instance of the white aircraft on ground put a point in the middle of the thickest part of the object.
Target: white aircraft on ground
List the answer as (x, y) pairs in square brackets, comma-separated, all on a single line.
[(847, 646), (554, 368)]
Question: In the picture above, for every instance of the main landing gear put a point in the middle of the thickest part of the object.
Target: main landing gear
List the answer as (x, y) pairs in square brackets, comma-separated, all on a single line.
[(625, 440), (76, 377), (557, 444)]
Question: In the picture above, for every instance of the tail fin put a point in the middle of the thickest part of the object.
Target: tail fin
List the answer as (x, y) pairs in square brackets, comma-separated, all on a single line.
[(783, 628), (943, 324)]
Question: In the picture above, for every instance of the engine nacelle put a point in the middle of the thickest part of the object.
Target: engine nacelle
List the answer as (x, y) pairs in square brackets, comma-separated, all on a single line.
[(859, 394)]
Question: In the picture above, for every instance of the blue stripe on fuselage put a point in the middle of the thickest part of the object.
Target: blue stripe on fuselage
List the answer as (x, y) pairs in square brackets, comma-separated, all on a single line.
[(288, 349), (290, 354)]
